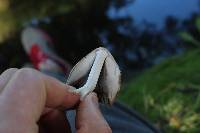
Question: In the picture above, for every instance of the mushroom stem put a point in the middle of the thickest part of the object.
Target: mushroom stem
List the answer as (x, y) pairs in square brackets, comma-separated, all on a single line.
[(94, 74)]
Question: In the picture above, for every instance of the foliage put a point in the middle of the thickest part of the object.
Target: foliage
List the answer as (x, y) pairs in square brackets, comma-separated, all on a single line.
[(169, 94), (13, 13), (189, 37)]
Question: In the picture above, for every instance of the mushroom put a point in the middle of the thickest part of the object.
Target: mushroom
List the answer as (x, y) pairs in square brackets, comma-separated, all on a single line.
[(99, 73)]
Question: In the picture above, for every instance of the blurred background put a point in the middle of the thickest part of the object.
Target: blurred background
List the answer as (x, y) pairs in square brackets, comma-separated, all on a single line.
[(155, 42)]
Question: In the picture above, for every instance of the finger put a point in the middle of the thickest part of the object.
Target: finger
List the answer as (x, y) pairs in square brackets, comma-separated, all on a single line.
[(29, 91), (54, 122), (89, 117), (5, 77), (62, 96)]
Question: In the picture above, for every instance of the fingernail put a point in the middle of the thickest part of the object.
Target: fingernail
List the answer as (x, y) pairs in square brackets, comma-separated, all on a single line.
[(71, 89), (94, 98)]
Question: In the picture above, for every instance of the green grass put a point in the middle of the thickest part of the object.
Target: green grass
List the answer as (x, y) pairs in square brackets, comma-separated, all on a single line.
[(168, 94)]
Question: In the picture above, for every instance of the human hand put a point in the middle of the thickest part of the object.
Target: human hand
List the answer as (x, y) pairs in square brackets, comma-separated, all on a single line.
[(31, 102)]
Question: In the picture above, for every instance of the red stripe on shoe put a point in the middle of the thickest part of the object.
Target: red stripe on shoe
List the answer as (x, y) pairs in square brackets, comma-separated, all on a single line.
[(37, 56)]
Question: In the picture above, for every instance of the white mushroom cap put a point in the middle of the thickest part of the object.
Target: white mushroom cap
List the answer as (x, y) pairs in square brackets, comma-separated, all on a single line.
[(104, 75)]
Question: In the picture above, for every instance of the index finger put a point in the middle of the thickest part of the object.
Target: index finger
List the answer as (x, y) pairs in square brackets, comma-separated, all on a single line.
[(29, 91)]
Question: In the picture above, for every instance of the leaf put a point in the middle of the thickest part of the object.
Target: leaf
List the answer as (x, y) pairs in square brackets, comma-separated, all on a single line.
[(189, 38), (198, 23)]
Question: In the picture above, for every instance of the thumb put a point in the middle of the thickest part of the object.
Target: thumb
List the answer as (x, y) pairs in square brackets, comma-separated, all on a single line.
[(89, 117)]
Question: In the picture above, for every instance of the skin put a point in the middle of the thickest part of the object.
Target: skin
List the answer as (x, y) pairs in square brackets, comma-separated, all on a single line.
[(31, 102)]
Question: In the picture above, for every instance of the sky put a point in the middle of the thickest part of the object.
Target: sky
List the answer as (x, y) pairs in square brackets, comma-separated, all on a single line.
[(155, 11)]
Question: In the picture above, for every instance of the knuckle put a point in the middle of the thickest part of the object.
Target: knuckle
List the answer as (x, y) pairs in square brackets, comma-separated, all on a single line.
[(12, 69), (27, 72)]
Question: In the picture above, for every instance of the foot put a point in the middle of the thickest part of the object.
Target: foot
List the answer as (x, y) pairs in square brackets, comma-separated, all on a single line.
[(38, 46)]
